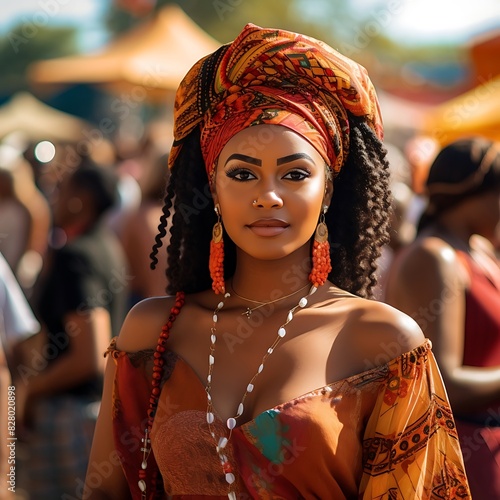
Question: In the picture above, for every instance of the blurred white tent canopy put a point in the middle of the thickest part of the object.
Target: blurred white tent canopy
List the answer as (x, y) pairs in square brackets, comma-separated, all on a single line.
[(155, 56), (36, 121)]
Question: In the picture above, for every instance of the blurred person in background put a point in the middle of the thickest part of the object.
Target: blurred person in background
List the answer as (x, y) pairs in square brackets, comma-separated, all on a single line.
[(17, 323), (402, 225), (450, 284), (140, 226), (34, 224), (15, 220), (38, 207), (80, 301)]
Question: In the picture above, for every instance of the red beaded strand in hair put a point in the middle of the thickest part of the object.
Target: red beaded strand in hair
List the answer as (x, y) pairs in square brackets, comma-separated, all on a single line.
[(158, 369)]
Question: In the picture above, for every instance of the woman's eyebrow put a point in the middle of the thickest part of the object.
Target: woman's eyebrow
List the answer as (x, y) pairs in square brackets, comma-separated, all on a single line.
[(245, 158), (296, 156)]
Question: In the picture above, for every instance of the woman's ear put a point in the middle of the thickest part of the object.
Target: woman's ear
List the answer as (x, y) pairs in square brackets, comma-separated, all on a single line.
[(211, 184), (328, 192), (215, 198)]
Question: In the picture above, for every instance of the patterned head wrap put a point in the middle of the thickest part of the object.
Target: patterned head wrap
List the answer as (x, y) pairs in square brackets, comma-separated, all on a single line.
[(275, 77)]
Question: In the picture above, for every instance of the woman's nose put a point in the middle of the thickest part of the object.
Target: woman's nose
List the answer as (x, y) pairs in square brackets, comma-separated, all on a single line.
[(269, 199)]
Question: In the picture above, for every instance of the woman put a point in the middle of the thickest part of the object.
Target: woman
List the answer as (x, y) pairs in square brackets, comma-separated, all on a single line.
[(279, 384), (139, 227), (448, 279), (80, 303)]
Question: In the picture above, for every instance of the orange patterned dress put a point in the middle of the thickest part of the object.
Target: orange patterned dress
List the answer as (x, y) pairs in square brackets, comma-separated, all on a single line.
[(386, 433)]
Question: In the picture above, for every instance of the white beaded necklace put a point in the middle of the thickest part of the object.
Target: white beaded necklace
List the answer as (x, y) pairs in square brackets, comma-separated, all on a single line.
[(222, 441)]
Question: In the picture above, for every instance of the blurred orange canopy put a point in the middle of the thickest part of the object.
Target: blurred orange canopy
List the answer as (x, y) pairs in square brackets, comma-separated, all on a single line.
[(476, 112), (155, 55), (473, 113), (484, 50)]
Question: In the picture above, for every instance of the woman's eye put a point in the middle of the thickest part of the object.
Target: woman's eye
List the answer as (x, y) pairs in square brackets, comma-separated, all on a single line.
[(240, 174), (297, 175)]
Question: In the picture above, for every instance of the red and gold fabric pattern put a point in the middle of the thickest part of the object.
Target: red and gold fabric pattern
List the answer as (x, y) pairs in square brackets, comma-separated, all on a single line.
[(349, 439), (275, 77)]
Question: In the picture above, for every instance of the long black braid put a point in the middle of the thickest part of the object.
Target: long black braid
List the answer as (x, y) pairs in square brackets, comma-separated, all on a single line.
[(357, 218), (188, 197)]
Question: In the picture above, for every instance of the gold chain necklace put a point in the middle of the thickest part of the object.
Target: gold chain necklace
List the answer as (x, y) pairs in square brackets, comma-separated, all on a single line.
[(249, 310), (222, 441)]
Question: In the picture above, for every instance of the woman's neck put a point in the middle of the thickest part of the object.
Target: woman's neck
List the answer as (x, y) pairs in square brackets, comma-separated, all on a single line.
[(457, 234), (264, 280)]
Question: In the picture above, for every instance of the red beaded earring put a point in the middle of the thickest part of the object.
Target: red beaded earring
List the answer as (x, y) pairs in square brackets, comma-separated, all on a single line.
[(216, 262), (321, 263)]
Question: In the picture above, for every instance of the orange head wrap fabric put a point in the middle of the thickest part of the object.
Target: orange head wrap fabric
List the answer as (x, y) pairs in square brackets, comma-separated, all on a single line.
[(275, 77)]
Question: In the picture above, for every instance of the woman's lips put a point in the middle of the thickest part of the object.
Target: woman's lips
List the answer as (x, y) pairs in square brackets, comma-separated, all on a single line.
[(268, 227)]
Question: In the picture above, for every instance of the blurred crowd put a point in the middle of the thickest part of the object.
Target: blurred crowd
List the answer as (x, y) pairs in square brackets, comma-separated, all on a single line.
[(76, 230)]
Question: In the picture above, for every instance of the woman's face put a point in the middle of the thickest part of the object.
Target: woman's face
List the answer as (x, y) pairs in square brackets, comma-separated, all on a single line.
[(271, 187)]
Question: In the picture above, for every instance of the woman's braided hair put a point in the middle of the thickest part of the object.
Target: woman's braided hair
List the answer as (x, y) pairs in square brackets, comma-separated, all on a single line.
[(357, 218)]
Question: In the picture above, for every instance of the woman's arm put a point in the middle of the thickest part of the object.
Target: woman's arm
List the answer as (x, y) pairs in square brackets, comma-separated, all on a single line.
[(105, 479), (88, 335)]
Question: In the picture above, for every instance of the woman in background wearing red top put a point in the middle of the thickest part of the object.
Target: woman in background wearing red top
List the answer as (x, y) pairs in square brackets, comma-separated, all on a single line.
[(448, 280)]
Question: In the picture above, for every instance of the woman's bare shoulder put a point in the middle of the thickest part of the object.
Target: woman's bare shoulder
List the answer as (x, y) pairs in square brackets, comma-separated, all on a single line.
[(429, 255), (142, 326), (376, 332), (422, 271)]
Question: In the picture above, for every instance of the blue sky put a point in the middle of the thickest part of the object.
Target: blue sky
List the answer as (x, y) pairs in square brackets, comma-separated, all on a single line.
[(419, 21), (405, 20), (450, 20), (85, 14)]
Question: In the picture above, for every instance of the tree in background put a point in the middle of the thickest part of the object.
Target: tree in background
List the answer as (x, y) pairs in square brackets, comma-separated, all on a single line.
[(27, 43), (223, 19)]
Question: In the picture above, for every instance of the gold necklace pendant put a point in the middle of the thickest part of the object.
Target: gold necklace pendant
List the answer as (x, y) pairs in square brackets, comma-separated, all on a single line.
[(248, 312)]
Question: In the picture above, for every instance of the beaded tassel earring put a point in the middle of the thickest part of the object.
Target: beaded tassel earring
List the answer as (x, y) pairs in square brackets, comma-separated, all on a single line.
[(216, 263), (321, 263)]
